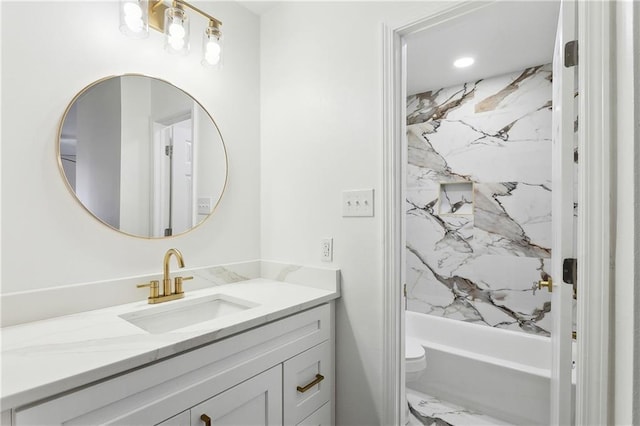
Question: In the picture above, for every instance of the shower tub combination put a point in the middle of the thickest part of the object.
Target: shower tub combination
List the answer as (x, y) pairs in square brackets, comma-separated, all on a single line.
[(501, 373)]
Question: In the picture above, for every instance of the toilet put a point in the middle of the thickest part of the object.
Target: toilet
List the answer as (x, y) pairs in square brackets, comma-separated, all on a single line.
[(415, 359), (415, 364)]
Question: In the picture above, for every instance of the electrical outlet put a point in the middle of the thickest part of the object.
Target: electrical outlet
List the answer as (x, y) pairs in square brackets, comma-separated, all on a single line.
[(326, 249)]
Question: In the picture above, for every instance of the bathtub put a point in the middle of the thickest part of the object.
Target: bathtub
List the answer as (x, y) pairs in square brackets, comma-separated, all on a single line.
[(502, 373)]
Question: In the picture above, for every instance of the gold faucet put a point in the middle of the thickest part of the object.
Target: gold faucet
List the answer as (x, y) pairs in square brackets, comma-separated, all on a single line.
[(167, 294), (166, 279)]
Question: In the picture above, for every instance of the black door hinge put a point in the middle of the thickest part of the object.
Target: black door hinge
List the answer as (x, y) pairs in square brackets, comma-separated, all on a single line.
[(570, 271), (571, 54)]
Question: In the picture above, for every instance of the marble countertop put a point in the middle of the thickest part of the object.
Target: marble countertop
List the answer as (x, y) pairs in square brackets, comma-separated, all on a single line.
[(44, 358)]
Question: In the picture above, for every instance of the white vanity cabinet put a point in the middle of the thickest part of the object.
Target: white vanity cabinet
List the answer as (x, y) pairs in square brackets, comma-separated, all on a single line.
[(274, 374)]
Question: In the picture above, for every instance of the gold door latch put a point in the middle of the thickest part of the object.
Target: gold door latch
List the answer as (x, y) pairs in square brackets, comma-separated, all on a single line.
[(546, 283)]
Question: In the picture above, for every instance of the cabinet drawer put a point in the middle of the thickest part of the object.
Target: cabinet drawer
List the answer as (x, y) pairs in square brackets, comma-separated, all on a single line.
[(255, 402), (321, 417), (307, 382)]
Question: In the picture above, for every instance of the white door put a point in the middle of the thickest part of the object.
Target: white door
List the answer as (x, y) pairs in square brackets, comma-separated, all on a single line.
[(182, 177), (173, 185), (562, 401), (161, 180)]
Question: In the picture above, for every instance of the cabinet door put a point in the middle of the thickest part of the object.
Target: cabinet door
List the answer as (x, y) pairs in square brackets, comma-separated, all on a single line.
[(257, 401), (307, 382), (182, 419)]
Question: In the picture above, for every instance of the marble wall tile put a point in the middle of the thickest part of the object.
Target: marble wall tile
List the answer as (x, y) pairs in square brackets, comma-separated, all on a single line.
[(494, 136)]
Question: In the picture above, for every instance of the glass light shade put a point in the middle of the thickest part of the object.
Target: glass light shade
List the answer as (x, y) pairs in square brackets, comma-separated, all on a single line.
[(176, 31), (212, 47), (134, 18)]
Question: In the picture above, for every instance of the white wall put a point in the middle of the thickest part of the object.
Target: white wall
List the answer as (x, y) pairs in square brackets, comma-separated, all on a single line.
[(98, 151), (135, 142), (321, 86), (47, 238)]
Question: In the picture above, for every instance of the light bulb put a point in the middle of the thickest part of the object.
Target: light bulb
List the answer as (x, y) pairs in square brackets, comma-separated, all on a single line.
[(177, 43), (134, 18), (213, 48), (132, 10), (134, 23), (177, 30)]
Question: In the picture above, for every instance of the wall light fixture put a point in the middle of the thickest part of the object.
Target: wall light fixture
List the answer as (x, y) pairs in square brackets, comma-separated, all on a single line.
[(137, 16)]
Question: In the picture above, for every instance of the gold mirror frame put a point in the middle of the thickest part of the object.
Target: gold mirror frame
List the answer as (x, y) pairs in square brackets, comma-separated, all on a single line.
[(73, 192)]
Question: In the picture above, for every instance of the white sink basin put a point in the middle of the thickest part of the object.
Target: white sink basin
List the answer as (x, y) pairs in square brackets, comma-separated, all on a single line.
[(180, 314)]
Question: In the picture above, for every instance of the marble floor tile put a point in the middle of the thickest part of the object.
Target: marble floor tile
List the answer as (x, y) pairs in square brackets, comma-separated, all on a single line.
[(426, 410)]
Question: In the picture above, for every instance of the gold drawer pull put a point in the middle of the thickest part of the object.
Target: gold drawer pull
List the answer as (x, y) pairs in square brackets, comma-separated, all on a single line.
[(206, 419), (318, 379)]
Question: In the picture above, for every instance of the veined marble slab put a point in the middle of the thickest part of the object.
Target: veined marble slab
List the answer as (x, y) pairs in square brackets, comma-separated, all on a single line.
[(495, 136), (430, 411)]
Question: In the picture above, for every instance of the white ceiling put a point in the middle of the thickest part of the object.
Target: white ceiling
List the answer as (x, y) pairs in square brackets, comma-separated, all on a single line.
[(502, 37)]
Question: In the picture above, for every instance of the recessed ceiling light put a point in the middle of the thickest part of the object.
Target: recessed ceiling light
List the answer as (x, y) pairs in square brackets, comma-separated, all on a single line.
[(463, 62)]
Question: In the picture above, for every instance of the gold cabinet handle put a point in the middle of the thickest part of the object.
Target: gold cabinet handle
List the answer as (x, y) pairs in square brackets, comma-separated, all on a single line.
[(548, 284), (318, 379), (206, 419)]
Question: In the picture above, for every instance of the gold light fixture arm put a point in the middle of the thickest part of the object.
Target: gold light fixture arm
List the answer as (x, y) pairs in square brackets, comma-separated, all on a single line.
[(212, 20), (157, 8)]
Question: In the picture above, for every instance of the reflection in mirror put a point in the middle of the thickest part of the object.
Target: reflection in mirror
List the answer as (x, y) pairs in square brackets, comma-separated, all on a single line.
[(142, 156)]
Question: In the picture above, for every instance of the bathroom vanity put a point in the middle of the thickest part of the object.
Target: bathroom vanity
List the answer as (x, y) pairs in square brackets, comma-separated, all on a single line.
[(266, 356), (251, 343)]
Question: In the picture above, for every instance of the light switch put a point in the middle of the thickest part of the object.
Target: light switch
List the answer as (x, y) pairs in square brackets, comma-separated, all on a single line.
[(357, 203), (204, 205)]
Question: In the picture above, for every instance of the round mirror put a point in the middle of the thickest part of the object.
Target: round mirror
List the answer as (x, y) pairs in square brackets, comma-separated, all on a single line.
[(142, 156)]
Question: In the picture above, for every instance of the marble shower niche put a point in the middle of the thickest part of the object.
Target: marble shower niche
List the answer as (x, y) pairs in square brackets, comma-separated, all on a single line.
[(479, 201)]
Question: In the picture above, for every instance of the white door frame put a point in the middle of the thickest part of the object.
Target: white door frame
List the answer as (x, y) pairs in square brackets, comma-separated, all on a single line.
[(593, 399)]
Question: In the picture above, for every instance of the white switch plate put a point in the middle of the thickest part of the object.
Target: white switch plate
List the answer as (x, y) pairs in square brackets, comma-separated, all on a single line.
[(326, 249), (204, 205), (357, 203)]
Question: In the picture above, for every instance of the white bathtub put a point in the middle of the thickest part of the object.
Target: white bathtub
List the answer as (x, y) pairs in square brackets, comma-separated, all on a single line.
[(502, 373)]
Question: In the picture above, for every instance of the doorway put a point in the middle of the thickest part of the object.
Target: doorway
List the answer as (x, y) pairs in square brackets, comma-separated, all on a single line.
[(394, 199), (479, 211), (173, 183)]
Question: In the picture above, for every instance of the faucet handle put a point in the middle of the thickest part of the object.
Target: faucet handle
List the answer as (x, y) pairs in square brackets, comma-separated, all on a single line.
[(179, 281), (154, 288)]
